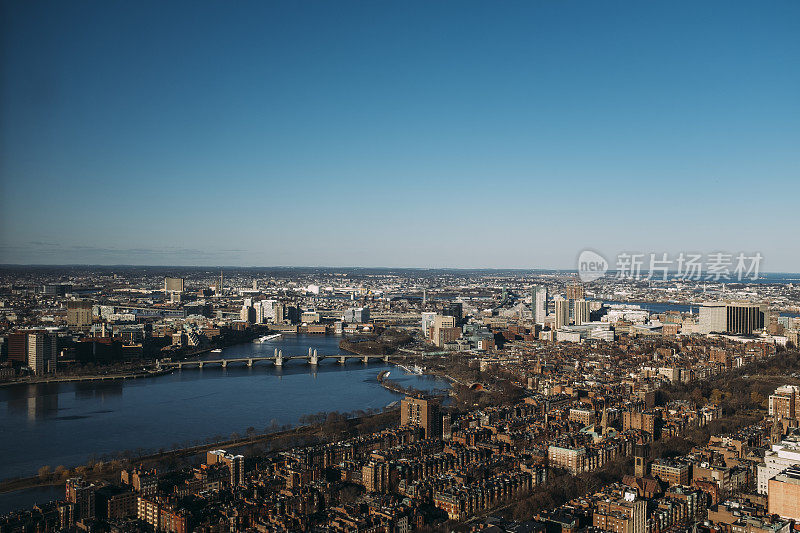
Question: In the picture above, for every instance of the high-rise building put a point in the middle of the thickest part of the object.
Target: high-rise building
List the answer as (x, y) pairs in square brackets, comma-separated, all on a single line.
[(447, 427), (248, 312), (428, 318), (421, 413), (783, 402), (173, 285), (539, 303), (42, 349), (219, 285), (580, 313), (575, 291), (741, 318), (712, 318), (561, 312), (356, 315), (79, 314), (455, 310), (444, 330), (235, 464), (18, 347), (56, 289), (270, 311), (82, 494)]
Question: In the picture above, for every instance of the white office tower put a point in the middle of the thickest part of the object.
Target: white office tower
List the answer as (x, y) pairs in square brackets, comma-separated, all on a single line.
[(539, 303)]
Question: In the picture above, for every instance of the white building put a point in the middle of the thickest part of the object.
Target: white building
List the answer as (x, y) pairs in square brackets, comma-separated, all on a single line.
[(713, 317), (428, 318), (539, 303), (356, 315), (42, 348), (269, 311), (778, 459)]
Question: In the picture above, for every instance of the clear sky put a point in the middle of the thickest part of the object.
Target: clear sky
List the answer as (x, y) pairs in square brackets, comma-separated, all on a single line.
[(374, 133)]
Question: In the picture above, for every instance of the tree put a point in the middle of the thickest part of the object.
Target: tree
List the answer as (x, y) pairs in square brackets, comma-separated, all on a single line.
[(757, 398), (61, 472), (717, 396), (44, 473)]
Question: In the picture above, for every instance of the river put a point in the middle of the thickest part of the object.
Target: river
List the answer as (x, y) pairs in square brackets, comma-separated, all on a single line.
[(66, 423)]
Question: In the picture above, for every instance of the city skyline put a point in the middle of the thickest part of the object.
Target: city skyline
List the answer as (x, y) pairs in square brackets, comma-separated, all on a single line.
[(421, 266), (300, 134)]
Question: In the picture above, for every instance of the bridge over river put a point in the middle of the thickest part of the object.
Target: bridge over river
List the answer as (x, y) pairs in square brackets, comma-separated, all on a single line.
[(278, 359)]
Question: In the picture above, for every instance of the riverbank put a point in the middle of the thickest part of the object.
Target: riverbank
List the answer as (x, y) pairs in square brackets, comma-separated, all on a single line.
[(95, 377), (61, 425), (289, 437), (124, 374)]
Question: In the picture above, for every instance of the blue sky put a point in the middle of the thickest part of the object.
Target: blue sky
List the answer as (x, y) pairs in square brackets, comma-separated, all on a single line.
[(430, 134)]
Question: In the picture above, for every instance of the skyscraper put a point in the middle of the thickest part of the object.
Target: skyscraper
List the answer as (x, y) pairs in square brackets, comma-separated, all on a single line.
[(18, 347), (580, 312), (741, 318), (79, 314), (42, 348), (356, 315), (421, 413), (173, 285), (248, 312), (428, 319), (454, 309), (561, 312), (539, 303), (575, 291), (269, 311)]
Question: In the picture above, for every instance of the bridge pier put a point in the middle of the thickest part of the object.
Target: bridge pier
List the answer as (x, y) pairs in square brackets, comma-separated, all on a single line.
[(385, 358), (341, 359), (180, 366), (279, 358), (312, 357), (366, 359), (250, 363), (224, 363), (201, 365)]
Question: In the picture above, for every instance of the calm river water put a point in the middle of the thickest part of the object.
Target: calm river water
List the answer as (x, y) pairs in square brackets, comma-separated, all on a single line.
[(65, 424)]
